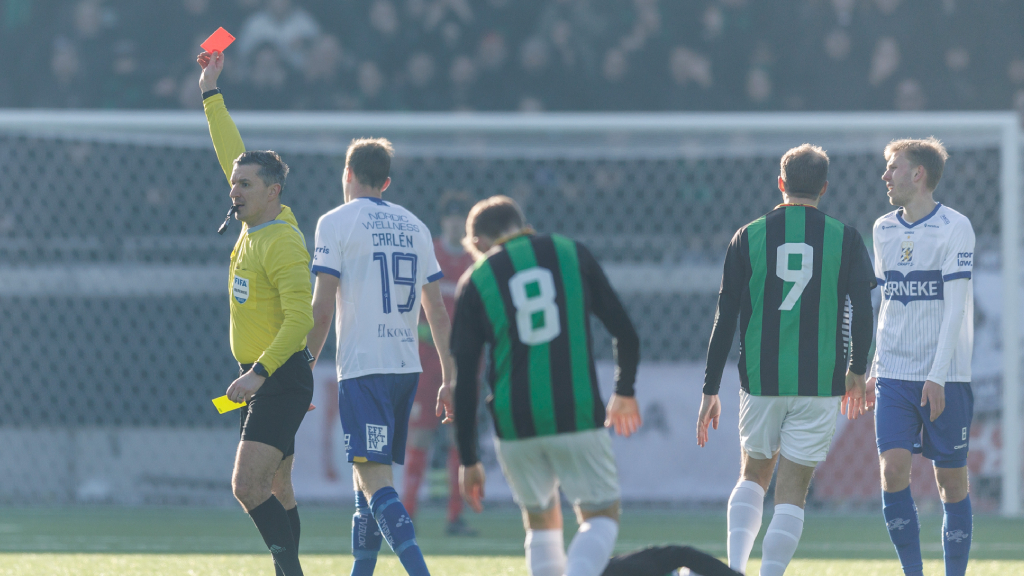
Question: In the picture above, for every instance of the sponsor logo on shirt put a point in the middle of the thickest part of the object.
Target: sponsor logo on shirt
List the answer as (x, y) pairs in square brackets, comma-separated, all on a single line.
[(964, 258), (944, 219), (321, 250), (376, 437), (405, 334), (916, 285), (387, 221), (240, 289)]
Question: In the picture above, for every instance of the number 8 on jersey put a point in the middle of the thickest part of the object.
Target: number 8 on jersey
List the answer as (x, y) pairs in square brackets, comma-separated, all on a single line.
[(533, 295)]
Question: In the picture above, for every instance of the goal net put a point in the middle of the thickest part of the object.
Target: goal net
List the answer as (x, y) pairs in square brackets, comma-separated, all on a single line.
[(113, 304)]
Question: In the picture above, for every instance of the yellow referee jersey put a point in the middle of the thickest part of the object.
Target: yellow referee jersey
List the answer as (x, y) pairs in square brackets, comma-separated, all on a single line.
[(271, 298)]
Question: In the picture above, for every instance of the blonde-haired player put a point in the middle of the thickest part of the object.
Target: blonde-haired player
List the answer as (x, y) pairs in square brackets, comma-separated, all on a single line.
[(924, 255)]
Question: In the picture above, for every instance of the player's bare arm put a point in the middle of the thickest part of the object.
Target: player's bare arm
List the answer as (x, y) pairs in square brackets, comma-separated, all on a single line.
[(710, 411), (623, 414), (471, 484), (324, 292), (440, 331)]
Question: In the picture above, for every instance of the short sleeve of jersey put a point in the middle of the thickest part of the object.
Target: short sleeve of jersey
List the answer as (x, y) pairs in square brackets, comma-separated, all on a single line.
[(433, 269), (327, 253), (861, 269), (958, 261)]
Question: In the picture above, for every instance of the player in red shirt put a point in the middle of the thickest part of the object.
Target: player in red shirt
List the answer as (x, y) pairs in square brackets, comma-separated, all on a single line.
[(454, 260)]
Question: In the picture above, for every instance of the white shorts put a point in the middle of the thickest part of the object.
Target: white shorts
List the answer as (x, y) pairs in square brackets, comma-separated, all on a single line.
[(581, 462), (801, 427)]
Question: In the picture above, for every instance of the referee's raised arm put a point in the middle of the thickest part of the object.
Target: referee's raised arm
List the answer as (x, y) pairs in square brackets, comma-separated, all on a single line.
[(226, 139)]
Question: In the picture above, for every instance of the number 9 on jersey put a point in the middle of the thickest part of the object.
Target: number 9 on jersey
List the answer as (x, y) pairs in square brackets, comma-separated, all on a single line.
[(533, 294)]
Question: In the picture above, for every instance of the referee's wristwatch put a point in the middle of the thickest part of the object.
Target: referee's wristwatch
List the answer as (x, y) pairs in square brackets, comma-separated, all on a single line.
[(260, 370)]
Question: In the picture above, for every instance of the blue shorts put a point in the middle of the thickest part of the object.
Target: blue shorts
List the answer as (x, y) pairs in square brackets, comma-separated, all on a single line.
[(901, 421), (374, 413)]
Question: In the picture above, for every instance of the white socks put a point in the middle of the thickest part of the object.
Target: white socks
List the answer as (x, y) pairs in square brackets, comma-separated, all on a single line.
[(746, 505), (591, 548), (781, 539), (545, 552)]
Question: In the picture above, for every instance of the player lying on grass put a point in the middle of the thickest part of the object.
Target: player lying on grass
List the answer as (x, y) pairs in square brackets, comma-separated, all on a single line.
[(529, 296), (664, 560)]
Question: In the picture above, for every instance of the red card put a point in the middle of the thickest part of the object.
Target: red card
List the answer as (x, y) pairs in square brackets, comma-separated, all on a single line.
[(218, 41)]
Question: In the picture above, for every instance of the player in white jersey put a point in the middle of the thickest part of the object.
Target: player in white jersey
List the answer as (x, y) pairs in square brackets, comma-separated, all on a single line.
[(924, 255), (374, 261)]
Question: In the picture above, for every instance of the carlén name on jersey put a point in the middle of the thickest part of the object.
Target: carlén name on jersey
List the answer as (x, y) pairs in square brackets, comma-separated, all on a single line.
[(391, 239)]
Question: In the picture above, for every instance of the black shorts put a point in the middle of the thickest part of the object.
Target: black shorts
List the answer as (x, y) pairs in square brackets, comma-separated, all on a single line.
[(276, 410)]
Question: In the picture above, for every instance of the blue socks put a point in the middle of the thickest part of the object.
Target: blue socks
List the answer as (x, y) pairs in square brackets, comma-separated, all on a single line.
[(957, 525), (396, 527), (366, 538), (904, 529)]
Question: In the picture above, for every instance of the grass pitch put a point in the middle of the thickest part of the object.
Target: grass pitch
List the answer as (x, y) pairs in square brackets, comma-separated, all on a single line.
[(223, 542)]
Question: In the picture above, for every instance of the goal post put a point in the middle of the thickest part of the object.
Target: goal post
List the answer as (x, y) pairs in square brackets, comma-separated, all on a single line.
[(109, 253)]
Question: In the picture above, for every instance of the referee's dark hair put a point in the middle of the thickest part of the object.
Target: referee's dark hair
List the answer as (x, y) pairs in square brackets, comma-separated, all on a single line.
[(805, 171), (272, 170), (494, 216), (370, 160)]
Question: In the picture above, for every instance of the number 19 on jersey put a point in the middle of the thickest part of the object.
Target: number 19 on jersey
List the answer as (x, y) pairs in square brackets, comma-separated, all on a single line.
[(403, 272)]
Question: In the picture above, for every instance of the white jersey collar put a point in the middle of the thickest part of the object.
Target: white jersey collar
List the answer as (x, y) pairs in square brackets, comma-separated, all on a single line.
[(899, 216)]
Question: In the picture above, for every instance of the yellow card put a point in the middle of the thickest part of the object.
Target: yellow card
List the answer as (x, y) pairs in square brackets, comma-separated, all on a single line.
[(224, 405)]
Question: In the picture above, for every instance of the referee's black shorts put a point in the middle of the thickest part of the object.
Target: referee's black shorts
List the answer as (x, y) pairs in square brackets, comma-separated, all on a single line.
[(274, 413)]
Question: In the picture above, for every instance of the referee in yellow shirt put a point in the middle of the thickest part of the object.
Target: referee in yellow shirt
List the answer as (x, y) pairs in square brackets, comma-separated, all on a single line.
[(271, 313)]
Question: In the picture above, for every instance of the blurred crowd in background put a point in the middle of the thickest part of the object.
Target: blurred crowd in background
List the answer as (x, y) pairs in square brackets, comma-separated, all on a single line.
[(519, 54)]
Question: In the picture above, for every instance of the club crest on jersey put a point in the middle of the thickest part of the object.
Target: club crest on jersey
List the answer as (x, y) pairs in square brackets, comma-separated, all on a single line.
[(916, 285), (906, 252), (240, 289)]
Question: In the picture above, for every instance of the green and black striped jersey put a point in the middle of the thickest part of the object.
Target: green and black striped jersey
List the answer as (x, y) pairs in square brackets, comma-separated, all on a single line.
[(793, 277), (530, 300)]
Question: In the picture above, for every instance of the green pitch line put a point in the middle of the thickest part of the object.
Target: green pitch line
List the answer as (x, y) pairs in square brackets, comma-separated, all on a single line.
[(316, 565), (326, 531)]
